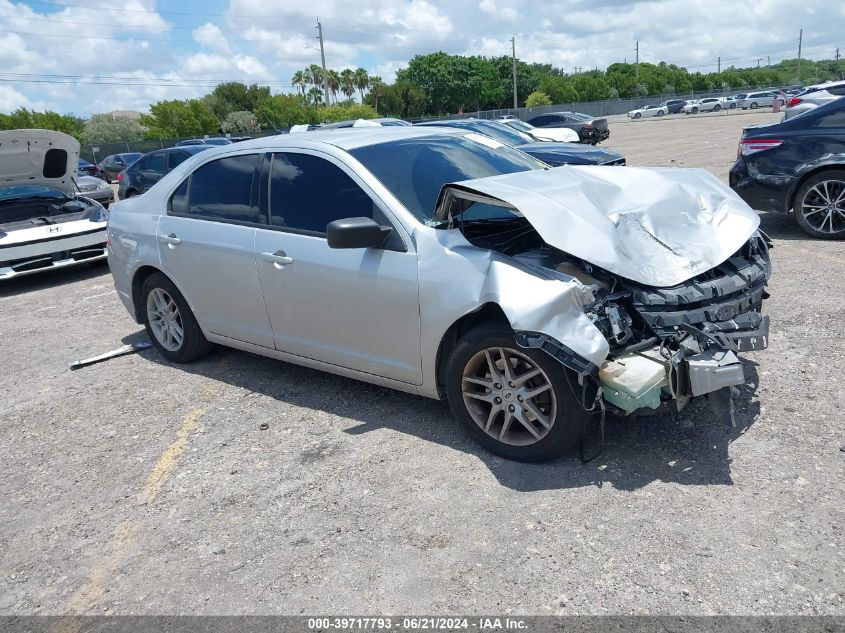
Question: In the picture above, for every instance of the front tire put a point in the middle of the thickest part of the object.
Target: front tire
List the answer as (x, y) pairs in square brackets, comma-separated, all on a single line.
[(637, 115), (169, 322), (695, 110), (820, 205), (515, 402)]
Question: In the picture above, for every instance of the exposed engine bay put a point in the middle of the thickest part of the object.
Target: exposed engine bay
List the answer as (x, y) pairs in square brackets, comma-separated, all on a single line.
[(44, 209), (666, 343)]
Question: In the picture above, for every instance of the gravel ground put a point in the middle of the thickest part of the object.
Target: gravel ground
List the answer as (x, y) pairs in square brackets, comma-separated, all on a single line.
[(139, 487)]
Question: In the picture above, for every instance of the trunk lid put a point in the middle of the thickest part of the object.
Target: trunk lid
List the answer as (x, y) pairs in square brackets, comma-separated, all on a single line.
[(38, 157), (655, 226)]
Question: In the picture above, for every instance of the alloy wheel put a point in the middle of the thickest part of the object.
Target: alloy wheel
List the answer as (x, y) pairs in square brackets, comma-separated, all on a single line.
[(509, 396), (823, 206), (165, 319)]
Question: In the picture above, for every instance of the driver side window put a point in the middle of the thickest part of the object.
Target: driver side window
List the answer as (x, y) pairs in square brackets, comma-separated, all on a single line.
[(307, 192)]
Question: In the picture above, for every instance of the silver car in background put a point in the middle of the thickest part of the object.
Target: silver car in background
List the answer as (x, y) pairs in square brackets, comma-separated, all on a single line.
[(447, 264), (812, 97)]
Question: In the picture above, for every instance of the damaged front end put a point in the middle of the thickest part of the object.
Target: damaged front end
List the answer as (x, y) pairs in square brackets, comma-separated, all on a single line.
[(670, 344), (679, 288)]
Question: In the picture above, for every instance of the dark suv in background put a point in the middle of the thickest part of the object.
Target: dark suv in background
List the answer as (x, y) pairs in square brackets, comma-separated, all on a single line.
[(673, 105), (797, 164), (112, 165), (590, 129), (150, 168)]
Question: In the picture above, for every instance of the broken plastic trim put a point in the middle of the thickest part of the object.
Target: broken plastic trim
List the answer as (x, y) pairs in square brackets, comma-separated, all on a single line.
[(558, 351)]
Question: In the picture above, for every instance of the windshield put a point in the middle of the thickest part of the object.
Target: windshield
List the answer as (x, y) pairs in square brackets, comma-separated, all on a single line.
[(498, 131), (415, 170), (580, 116), (25, 191), (522, 126)]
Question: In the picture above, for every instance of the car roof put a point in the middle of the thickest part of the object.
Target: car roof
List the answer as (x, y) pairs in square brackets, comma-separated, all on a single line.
[(347, 138)]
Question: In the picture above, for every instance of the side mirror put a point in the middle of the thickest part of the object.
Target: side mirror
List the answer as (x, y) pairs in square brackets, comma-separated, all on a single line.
[(356, 233)]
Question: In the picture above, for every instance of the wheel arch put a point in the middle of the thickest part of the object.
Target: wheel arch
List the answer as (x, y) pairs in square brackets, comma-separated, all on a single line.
[(796, 187), (137, 283), (489, 312)]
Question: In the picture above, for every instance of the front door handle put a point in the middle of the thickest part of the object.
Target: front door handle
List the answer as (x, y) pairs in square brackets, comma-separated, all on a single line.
[(171, 240), (279, 259)]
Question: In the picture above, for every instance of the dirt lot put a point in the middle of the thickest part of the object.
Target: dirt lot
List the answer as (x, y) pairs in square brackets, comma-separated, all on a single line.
[(136, 486)]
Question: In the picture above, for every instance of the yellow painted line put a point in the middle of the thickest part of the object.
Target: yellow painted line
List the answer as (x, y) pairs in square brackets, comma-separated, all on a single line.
[(167, 462)]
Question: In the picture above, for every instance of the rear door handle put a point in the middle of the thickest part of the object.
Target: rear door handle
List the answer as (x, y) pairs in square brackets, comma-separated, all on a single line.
[(279, 259), (171, 240)]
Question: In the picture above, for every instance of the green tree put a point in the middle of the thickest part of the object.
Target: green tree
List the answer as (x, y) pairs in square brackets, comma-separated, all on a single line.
[(22, 119), (233, 96), (175, 118), (402, 99), (108, 128), (347, 82), (243, 122), (362, 81), (537, 98)]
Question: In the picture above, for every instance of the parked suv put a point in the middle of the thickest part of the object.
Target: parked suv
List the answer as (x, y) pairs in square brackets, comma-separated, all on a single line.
[(151, 168), (673, 105), (445, 264), (756, 100), (710, 104)]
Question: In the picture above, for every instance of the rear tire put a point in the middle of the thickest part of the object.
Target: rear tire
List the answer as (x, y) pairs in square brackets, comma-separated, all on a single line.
[(716, 108), (169, 322), (817, 209), (524, 410), (753, 106)]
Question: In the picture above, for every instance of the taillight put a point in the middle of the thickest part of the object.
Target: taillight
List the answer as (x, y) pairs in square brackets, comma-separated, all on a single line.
[(587, 126), (120, 176), (748, 146), (793, 102)]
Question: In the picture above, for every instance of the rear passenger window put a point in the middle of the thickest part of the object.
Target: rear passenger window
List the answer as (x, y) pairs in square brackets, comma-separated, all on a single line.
[(308, 192), (220, 190)]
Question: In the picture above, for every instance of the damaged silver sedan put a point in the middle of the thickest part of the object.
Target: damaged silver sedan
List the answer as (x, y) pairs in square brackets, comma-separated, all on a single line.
[(445, 264)]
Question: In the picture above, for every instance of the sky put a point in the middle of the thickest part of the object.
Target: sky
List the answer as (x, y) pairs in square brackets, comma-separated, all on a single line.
[(84, 57)]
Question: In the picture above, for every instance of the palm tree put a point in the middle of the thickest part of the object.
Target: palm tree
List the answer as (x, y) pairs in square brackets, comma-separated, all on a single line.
[(299, 81), (316, 77), (315, 95), (362, 80), (307, 80), (347, 82), (334, 83), (377, 87)]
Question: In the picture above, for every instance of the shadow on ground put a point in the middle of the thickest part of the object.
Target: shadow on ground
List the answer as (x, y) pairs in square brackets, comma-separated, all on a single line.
[(689, 448), (53, 278), (782, 226)]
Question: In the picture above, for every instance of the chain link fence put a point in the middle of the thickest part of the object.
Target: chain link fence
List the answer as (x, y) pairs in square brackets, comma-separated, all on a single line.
[(97, 152)]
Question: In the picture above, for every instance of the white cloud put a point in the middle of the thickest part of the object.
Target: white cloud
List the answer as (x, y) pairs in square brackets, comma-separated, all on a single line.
[(210, 36), (497, 12)]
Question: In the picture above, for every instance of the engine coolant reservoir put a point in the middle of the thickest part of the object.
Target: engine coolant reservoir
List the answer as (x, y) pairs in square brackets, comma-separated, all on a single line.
[(632, 381)]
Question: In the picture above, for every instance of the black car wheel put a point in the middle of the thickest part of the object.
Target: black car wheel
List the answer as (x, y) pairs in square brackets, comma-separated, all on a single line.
[(515, 402), (695, 110), (820, 205), (753, 105), (637, 115), (717, 107), (169, 322)]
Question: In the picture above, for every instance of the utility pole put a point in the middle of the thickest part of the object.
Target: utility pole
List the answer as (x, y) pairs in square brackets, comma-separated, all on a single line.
[(637, 64), (719, 64), (800, 40), (513, 59), (758, 60), (768, 61), (323, 57)]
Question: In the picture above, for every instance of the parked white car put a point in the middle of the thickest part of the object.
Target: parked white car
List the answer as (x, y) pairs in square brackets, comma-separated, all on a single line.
[(728, 103), (814, 96), (648, 111), (756, 100), (560, 134), (710, 104), (44, 222)]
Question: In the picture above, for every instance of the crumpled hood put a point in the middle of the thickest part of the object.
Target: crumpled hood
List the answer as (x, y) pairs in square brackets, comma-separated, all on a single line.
[(655, 226), (38, 157)]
